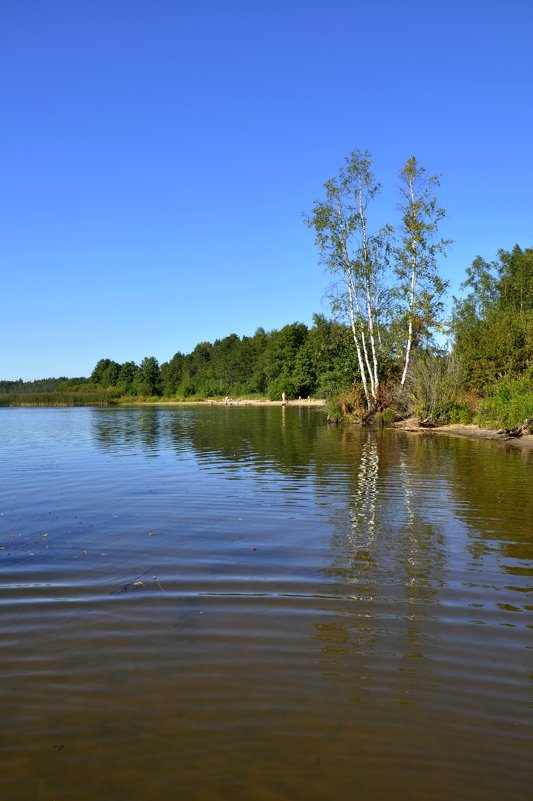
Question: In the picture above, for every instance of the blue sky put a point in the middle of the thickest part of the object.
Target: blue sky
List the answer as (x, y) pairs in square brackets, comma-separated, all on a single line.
[(157, 157)]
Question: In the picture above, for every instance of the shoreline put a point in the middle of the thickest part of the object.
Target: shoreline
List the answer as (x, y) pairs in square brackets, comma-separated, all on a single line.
[(409, 425), (470, 431), (232, 402)]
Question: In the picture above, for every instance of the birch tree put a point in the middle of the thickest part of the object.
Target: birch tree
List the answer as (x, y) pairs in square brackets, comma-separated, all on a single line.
[(356, 258), (420, 287)]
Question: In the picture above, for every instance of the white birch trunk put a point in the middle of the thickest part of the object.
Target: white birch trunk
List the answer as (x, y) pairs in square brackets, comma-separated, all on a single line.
[(375, 372), (353, 294), (357, 346), (410, 327), (372, 341), (411, 295), (367, 362), (354, 305)]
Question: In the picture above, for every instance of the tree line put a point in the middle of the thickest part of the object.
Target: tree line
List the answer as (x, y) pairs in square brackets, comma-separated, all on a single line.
[(296, 359), (386, 343)]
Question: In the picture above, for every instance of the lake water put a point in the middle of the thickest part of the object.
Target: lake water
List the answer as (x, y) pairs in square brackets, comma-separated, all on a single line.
[(244, 604)]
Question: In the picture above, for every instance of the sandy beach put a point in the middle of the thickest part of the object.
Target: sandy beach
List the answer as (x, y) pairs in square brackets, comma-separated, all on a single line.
[(242, 402), (471, 431)]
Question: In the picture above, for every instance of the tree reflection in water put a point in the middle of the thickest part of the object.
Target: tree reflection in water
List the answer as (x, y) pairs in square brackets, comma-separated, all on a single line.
[(390, 561)]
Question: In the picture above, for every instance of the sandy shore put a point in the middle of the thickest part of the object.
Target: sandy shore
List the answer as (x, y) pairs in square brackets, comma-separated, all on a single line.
[(240, 402), (470, 431)]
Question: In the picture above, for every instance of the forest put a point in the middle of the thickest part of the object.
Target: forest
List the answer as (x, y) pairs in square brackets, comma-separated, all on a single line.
[(296, 359), (392, 345), (485, 374)]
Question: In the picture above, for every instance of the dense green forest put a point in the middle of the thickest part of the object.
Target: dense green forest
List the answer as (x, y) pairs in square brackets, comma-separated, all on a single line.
[(386, 349), (296, 359), (485, 373), (492, 327)]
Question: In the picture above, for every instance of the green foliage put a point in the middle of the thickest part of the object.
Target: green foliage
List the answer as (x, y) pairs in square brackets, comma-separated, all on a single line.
[(45, 385), (388, 416), (126, 378), (64, 398), (296, 360), (280, 365), (386, 284), (106, 373), (515, 285), (454, 412), (419, 287), (507, 403), (432, 384), (278, 386), (357, 258), (334, 409), (493, 325), (332, 354), (147, 380), (493, 345)]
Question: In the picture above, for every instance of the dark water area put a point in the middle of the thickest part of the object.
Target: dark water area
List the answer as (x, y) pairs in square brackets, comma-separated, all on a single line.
[(244, 604)]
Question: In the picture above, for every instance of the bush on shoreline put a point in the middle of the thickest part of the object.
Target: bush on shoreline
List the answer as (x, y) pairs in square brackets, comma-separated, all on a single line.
[(507, 403)]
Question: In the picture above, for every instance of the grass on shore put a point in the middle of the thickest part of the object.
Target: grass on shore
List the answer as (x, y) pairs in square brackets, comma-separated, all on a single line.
[(95, 398), (507, 403), (111, 398)]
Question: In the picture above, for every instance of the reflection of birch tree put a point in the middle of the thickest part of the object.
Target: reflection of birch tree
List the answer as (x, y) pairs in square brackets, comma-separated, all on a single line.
[(388, 565), (365, 496), (407, 487)]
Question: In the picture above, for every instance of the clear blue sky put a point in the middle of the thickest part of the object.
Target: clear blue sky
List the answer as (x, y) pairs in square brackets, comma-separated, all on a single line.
[(157, 157)]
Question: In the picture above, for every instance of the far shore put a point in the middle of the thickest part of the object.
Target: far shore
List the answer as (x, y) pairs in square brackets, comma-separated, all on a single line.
[(231, 402)]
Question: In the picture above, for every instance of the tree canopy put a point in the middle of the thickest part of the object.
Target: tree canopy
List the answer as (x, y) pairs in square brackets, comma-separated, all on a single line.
[(493, 324), (386, 281)]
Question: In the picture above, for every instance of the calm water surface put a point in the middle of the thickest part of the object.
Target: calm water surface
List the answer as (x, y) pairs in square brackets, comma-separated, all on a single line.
[(244, 604)]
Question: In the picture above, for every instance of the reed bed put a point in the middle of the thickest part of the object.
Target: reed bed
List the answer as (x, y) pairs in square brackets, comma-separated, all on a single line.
[(94, 398)]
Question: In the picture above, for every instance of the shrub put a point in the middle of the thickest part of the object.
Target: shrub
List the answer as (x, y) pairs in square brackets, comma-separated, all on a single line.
[(508, 402), (334, 409), (454, 412), (282, 384), (433, 386), (388, 416)]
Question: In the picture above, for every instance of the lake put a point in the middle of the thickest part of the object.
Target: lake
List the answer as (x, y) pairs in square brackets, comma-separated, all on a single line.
[(246, 604)]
